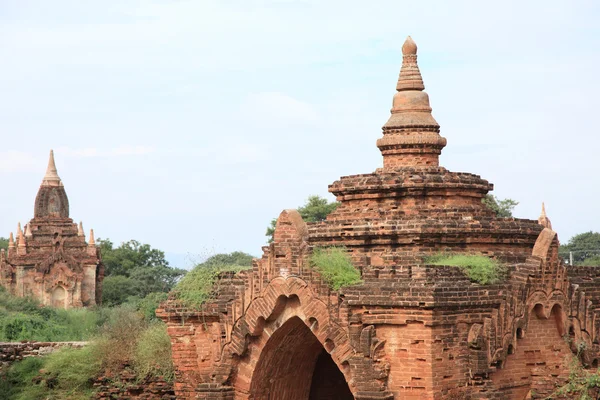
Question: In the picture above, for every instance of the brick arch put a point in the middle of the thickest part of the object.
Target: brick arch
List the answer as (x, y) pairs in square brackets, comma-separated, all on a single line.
[(287, 306)]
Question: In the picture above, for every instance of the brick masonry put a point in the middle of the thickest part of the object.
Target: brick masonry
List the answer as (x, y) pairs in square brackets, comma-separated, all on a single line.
[(50, 259), (410, 330)]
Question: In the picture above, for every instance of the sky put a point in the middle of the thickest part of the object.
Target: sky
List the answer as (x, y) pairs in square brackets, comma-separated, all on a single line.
[(189, 125)]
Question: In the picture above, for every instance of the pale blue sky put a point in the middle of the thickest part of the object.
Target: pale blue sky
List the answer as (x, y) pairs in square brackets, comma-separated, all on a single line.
[(190, 124)]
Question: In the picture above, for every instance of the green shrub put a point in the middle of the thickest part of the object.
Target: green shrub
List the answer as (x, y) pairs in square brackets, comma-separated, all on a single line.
[(67, 374), (119, 335), (19, 376), (152, 355), (480, 269), (335, 266), (198, 285)]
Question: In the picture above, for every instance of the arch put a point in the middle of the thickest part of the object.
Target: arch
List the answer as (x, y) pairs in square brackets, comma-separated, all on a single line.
[(58, 297), (293, 365), (287, 307)]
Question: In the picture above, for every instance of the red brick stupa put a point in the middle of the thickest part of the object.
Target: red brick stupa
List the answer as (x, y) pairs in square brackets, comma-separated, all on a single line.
[(410, 330)]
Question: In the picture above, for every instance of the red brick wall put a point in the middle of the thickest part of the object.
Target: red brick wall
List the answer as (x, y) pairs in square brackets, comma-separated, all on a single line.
[(542, 352)]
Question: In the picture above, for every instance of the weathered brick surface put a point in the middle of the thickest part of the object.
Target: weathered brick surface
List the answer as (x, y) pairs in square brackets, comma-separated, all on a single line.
[(410, 330)]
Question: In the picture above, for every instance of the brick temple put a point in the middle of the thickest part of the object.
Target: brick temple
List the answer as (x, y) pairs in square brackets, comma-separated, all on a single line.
[(50, 259), (410, 330)]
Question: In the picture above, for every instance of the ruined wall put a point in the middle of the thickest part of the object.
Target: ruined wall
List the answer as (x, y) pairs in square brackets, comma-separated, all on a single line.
[(12, 352)]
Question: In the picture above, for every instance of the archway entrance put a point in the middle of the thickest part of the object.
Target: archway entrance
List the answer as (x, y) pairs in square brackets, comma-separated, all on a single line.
[(294, 365)]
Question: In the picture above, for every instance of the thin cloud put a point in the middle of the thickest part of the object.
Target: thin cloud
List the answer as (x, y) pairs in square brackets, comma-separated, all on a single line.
[(17, 161), (275, 106), (96, 152)]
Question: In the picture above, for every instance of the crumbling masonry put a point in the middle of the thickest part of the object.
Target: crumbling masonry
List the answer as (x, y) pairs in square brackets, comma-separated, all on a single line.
[(50, 259), (410, 330)]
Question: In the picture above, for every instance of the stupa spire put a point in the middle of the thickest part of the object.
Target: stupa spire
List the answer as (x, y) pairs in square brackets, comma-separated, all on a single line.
[(20, 237), (28, 232), (92, 241), (411, 136), (543, 219), (11, 241), (80, 229), (51, 178)]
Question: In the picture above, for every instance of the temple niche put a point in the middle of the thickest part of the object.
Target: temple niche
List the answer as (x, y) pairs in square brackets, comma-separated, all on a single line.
[(49, 259)]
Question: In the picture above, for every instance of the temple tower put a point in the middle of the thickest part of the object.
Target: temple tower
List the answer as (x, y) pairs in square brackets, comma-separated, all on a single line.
[(51, 260)]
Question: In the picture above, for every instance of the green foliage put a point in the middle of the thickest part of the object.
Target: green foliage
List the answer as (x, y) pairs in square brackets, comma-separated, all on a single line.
[(236, 258), (24, 319), (19, 376), (116, 289), (135, 269), (64, 374), (3, 243), (335, 266), (593, 261), (480, 269), (152, 354), (148, 305), (503, 208), (584, 246), (198, 285), (315, 209), (581, 384)]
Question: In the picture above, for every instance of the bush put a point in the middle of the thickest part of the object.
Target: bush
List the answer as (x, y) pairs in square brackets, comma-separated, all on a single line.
[(198, 285), (335, 266), (46, 323), (67, 374), (480, 269), (116, 343), (152, 356), (19, 376)]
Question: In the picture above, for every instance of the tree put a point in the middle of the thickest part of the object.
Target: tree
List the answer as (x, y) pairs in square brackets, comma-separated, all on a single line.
[(236, 258), (503, 208), (316, 209), (3, 243), (585, 248), (135, 270)]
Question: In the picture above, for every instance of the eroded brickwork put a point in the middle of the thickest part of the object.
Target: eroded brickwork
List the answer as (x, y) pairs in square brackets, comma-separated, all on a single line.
[(410, 330), (50, 259)]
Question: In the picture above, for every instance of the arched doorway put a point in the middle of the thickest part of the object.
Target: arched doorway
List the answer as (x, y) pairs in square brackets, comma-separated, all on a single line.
[(294, 365), (59, 294)]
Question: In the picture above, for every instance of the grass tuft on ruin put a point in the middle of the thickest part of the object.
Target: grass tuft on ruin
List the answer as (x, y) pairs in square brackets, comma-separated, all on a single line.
[(481, 269), (335, 266), (200, 284)]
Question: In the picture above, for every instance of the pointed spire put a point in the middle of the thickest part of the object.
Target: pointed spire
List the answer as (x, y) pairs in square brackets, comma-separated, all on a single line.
[(11, 241), (411, 136), (80, 229), (91, 242), (21, 237), (51, 178), (410, 76), (28, 232), (543, 219)]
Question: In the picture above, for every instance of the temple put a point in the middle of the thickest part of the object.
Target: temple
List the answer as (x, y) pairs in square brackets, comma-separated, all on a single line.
[(49, 259), (410, 330)]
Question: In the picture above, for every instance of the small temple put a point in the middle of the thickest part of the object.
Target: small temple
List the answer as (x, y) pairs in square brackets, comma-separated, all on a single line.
[(49, 259), (410, 330)]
